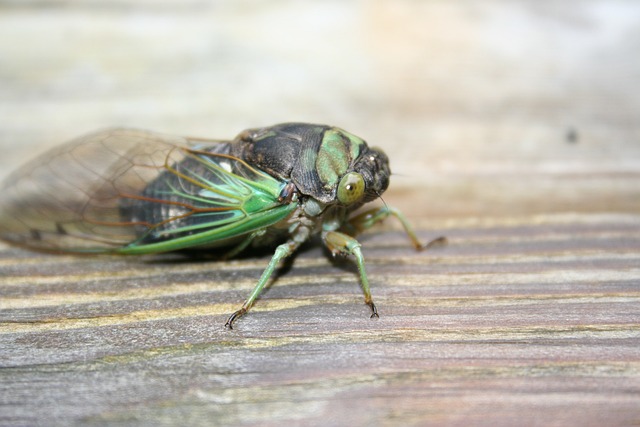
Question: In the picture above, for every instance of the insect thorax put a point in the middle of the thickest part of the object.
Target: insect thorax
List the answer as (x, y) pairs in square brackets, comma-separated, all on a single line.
[(313, 157)]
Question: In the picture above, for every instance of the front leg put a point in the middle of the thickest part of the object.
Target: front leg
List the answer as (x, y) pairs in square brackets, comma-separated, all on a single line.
[(340, 243), (282, 251), (368, 219)]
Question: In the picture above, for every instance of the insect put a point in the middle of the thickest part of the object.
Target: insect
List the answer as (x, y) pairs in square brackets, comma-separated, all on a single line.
[(124, 191)]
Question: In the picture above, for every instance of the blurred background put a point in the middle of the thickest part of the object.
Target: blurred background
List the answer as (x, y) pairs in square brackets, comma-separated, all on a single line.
[(486, 108)]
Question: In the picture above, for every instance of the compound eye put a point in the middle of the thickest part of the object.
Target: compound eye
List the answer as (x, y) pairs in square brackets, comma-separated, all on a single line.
[(351, 188)]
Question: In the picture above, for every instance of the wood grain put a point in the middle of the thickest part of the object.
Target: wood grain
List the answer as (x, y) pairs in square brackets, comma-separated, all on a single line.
[(530, 317), (512, 128)]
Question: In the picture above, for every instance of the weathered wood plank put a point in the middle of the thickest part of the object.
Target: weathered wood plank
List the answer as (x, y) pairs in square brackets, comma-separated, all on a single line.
[(512, 129), (507, 321)]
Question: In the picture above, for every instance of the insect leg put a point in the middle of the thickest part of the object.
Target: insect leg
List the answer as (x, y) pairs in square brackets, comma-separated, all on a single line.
[(242, 245), (340, 243), (282, 251), (368, 219)]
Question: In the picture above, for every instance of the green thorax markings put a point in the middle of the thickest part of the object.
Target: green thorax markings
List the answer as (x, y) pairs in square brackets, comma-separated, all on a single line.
[(337, 151), (355, 144)]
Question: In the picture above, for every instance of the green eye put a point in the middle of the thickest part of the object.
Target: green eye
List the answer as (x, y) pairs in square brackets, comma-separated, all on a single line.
[(351, 188)]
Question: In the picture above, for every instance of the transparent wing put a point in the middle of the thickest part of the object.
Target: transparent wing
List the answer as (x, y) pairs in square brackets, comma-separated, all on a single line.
[(133, 191)]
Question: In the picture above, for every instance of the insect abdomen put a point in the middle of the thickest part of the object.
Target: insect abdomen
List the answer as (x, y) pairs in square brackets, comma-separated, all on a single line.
[(174, 206)]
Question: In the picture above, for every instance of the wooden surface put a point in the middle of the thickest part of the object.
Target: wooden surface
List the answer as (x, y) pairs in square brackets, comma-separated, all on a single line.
[(512, 129), (536, 322)]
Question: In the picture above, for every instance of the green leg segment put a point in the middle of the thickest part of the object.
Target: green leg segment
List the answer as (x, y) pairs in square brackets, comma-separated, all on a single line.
[(368, 219), (243, 244), (282, 251), (340, 243)]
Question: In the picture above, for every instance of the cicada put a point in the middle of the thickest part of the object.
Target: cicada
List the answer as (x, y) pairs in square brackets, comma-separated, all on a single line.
[(124, 191)]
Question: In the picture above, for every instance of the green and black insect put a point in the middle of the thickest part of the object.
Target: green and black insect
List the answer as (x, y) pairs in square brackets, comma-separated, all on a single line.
[(124, 191)]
